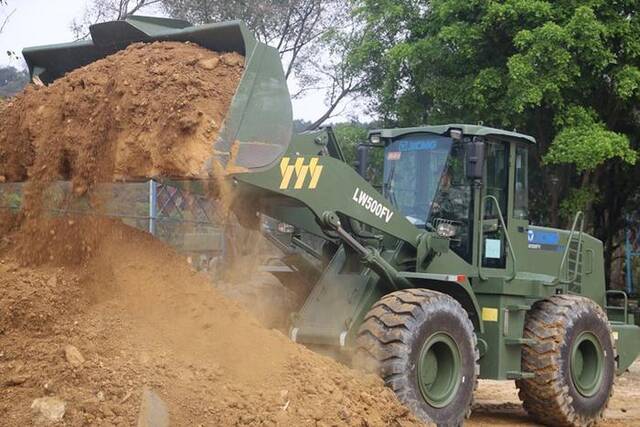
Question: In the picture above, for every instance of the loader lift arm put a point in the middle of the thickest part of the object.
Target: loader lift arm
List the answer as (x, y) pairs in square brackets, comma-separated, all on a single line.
[(331, 189), (325, 184)]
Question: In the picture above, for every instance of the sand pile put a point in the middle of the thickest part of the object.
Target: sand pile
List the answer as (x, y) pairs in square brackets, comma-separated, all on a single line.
[(152, 109), (140, 316)]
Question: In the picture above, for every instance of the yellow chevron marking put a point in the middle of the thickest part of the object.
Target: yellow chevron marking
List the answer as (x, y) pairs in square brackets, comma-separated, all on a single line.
[(301, 171), (286, 171), (315, 177)]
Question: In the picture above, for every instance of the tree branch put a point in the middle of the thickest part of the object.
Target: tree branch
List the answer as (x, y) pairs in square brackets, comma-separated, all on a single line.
[(5, 21)]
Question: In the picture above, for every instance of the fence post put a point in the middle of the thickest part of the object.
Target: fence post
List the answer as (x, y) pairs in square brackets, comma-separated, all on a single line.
[(153, 206)]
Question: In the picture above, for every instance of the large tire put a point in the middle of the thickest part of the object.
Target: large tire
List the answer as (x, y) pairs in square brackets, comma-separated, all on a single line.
[(573, 360), (423, 345)]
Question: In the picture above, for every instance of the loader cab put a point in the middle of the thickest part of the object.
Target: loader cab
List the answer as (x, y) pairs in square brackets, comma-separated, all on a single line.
[(466, 183)]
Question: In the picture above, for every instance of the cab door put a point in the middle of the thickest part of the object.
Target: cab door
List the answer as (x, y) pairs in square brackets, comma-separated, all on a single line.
[(495, 198)]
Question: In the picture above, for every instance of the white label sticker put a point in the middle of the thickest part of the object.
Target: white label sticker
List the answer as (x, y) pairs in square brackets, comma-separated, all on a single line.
[(492, 248)]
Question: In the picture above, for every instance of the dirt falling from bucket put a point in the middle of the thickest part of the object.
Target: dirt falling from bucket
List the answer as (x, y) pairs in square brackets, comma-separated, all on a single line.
[(151, 110)]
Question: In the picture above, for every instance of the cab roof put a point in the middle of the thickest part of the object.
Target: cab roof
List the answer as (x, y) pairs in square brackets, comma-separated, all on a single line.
[(472, 130)]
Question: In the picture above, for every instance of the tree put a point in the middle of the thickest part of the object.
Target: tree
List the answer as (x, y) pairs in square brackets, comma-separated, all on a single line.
[(4, 20), (12, 81), (338, 75), (290, 26), (566, 72), (107, 10), (3, 24), (349, 135), (312, 36)]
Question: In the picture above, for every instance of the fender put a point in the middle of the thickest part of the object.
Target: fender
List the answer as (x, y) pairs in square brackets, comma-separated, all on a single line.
[(457, 287)]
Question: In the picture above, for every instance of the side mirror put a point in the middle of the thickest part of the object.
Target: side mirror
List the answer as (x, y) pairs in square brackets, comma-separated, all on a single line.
[(362, 160), (474, 154)]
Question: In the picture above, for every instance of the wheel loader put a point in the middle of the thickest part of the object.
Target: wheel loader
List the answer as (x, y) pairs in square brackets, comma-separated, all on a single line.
[(433, 281)]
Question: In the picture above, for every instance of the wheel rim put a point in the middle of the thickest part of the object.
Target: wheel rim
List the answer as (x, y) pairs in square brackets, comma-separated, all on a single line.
[(587, 362), (439, 370)]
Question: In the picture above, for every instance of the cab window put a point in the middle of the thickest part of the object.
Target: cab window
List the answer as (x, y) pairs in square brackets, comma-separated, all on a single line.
[(497, 185), (521, 185)]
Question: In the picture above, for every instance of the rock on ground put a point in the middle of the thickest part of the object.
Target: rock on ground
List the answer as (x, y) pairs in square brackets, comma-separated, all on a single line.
[(51, 409)]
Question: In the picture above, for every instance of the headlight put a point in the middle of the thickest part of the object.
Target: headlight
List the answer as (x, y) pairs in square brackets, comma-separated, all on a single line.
[(446, 230), (283, 227)]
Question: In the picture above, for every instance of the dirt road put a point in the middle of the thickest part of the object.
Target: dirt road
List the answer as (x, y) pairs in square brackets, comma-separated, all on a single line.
[(497, 403)]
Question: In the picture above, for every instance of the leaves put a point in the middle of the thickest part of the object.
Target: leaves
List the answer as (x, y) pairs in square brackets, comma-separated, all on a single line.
[(511, 63), (627, 82), (543, 69), (566, 72), (579, 199), (587, 143)]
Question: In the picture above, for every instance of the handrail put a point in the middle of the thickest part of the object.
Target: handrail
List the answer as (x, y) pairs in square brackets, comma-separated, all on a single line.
[(506, 234), (574, 275), (625, 298)]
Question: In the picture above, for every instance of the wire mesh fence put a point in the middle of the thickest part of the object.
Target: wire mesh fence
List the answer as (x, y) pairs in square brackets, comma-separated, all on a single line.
[(183, 219)]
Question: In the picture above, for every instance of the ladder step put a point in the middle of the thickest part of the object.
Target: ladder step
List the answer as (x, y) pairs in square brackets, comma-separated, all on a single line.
[(516, 375), (519, 341)]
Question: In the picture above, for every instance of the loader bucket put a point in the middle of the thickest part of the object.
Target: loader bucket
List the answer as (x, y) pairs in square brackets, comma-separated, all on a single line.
[(259, 119)]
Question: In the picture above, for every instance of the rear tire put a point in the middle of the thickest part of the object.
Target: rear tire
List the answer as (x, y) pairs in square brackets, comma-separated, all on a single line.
[(573, 360), (423, 345)]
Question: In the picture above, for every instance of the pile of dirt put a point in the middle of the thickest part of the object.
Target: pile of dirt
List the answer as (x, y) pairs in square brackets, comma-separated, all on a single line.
[(150, 110), (94, 314), (140, 316)]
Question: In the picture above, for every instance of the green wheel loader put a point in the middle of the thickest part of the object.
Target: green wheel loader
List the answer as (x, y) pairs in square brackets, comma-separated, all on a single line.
[(434, 281)]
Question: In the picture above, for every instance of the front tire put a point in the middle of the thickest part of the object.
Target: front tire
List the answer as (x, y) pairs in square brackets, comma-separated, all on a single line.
[(573, 360), (423, 345)]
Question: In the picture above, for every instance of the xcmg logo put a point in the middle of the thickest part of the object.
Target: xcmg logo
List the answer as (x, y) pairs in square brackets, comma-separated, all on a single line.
[(301, 172)]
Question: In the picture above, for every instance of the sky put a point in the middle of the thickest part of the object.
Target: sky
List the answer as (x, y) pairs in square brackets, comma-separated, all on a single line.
[(38, 22)]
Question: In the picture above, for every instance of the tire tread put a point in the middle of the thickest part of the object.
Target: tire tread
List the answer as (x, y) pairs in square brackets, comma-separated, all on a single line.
[(545, 397), (383, 341)]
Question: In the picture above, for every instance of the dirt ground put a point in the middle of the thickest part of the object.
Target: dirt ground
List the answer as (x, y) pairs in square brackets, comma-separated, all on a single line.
[(140, 317), (497, 403), (93, 336)]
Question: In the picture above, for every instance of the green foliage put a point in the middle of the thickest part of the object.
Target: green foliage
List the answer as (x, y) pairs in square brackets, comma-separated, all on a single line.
[(586, 142), (542, 69), (579, 199), (566, 72), (349, 135), (498, 61), (627, 82)]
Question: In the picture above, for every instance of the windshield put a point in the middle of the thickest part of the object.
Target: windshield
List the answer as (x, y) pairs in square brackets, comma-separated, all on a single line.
[(413, 168)]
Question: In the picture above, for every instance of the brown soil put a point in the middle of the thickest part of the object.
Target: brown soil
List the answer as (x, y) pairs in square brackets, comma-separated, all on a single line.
[(140, 315), (134, 309), (150, 110)]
